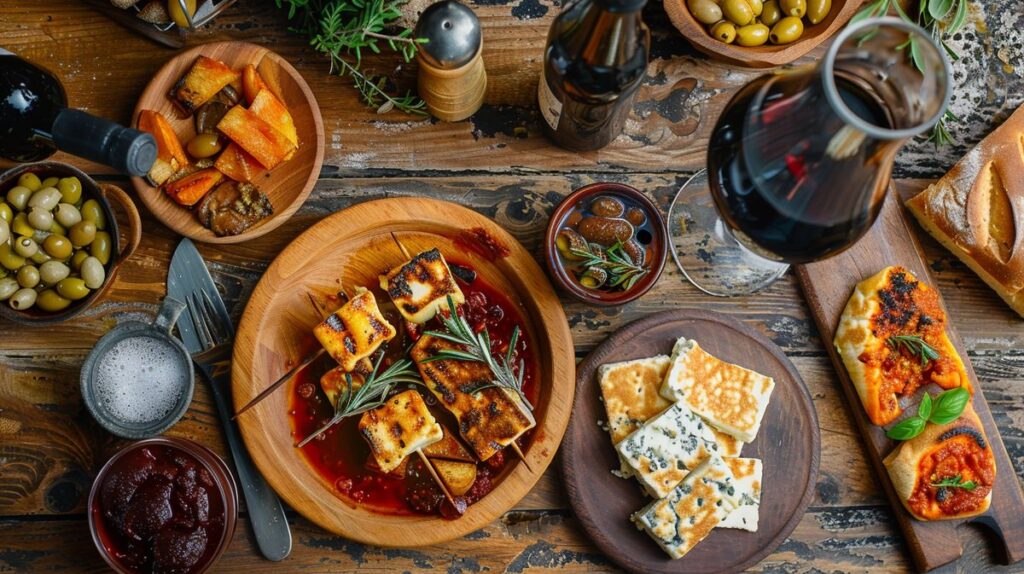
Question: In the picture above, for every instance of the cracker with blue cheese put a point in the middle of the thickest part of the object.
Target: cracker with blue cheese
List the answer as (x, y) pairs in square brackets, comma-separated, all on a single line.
[(747, 474)]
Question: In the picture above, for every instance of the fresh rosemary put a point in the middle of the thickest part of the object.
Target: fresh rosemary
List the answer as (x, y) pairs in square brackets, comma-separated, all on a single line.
[(956, 482), (477, 348), (942, 19), (371, 394), (344, 29), (916, 346), (622, 272)]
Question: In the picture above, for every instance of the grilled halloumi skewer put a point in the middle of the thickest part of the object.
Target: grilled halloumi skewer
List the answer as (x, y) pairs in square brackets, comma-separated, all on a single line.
[(420, 287), (398, 428), (355, 331)]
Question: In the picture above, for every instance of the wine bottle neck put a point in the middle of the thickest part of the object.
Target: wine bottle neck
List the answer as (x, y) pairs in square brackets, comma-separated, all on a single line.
[(126, 150)]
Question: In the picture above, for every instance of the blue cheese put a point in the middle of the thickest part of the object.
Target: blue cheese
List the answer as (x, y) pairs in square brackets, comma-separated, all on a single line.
[(666, 448), (692, 510), (747, 474)]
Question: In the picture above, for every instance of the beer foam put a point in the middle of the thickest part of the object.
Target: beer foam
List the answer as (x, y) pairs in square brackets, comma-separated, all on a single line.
[(140, 380)]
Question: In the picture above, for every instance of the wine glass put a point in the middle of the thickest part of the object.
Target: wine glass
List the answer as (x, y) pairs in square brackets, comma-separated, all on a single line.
[(799, 161)]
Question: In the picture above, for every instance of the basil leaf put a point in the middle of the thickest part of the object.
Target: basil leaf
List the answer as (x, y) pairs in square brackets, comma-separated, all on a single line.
[(906, 429), (938, 9), (950, 405), (924, 410)]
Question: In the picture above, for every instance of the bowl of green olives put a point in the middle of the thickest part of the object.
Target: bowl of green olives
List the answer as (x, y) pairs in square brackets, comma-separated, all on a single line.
[(759, 33), (60, 244)]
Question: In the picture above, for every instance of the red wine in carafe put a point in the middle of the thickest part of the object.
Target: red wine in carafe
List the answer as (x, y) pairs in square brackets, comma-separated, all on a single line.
[(793, 180)]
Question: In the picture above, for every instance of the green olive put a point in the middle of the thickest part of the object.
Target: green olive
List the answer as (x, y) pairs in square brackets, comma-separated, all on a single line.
[(73, 288), (705, 11), (40, 257), (756, 6), (82, 233), (52, 272), (91, 211), (738, 12), (58, 228), (8, 286), (46, 198), (5, 231), (23, 299), (78, 258), (28, 276), (25, 246), (18, 196), (58, 247), (793, 7), (68, 215), (93, 273), (208, 145), (771, 13), (724, 31), (49, 300), (5, 212), (101, 246), (51, 181), (752, 35), (30, 180), (787, 30), (9, 259), (40, 219), (20, 225), (70, 190), (817, 10)]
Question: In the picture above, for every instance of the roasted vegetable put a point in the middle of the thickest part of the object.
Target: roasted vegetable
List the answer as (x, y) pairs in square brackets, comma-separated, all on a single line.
[(209, 115), (204, 79), (270, 109), (457, 476), (263, 141), (252, 83), (170, 157), (237, 164), (233, 207), (190, 189)]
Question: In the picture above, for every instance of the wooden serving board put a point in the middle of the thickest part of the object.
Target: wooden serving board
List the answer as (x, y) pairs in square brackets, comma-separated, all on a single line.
[(827, 286), (788, 444)]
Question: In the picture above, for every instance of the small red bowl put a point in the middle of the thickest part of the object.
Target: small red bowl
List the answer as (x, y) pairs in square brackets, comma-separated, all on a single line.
[(658, 244), (214, 465)]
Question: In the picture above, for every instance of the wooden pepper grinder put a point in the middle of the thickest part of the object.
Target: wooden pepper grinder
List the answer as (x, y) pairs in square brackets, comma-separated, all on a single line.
[(452, 79)]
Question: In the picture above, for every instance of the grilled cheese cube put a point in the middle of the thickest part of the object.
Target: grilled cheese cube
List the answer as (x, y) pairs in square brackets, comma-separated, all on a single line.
[(489, 419), (355, 331), (398, 428), (747, 473), (420, 287)]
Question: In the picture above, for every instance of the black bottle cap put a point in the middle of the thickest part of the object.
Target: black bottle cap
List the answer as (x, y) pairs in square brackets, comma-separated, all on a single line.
[(127, 150), (133, 152)]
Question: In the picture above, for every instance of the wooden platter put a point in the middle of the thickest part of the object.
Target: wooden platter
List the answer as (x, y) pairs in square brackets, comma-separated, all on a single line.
[(350, 248), (788, 444), (827, 286), (288, 185)]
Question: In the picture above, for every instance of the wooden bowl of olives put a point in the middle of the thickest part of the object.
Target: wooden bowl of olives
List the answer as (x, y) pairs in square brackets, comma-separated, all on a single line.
[(759, 33), (60, 244)]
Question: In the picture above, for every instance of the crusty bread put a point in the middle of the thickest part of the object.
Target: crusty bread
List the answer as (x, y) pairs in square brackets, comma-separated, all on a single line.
[(977, 210)]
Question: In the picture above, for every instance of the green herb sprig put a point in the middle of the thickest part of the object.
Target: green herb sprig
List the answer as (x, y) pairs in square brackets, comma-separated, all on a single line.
[(371, 394), (622, 272), (944, 409), (916, 345), (477, 348), (956, 482), (344, 29)]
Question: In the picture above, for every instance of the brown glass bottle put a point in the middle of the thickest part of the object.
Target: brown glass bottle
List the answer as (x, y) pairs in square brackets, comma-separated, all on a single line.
[(595, 60)]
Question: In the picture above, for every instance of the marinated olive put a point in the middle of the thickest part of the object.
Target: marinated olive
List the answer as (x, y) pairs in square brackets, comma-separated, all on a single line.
[(604, 230), (209, 145), (101, 246), (70, 190), (25, 246), (20, 225), (752, 35), (91, 211), (705, 11), (73, 288), (23, 299), (5, 231), (51, 181), (68, 215), (53, 271), (174, 9), (737, 11), (93, 273), (5, 212), (82, 233), (793, 7), (817, 10), (40, 219), (40, 257), (28, 276), (756, 6), (30, 180), (49, 300), (607, 207), (8, 286), (58, 247), (46, 198), (771, 13), (724, 31), (58, 228), (787, 30), (18, 196), (636, 216), (9, 259)]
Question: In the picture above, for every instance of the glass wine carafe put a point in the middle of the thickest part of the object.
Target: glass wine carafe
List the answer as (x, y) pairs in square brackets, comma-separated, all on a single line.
[(799, 161)]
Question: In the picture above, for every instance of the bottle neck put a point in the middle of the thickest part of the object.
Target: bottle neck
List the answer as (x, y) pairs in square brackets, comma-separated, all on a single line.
[(127, 150), (621, 6)]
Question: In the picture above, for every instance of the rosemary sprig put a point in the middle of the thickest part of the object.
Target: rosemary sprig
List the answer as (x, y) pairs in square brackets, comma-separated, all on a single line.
[(344, 29), (371, 394), (622, 272), (956, 482), (477, 348), (916, 345)]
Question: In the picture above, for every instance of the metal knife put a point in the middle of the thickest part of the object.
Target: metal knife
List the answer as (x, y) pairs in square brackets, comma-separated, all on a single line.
[(205, 328)]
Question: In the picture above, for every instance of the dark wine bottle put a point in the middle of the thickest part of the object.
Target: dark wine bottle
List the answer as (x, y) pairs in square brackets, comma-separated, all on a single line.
[(35, 122), (595, 60)]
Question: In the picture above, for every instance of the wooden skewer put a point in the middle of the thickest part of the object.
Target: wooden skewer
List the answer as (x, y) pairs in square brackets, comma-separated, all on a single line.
[(433, 473), (522, 457), (405, 252)]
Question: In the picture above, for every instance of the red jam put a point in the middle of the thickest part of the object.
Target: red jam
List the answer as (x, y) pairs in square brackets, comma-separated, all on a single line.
[(342, 458), (159, 510)]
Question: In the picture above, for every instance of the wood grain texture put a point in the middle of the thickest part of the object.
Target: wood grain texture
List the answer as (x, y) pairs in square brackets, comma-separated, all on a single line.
[(828, 285)]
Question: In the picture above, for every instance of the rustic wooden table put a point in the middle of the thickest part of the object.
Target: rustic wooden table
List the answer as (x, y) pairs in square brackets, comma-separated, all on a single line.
[(499, 164)]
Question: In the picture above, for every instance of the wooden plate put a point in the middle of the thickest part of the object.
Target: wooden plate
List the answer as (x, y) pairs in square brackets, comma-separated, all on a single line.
[(788, 444), (288, 185), (768, 55), (351, 248)]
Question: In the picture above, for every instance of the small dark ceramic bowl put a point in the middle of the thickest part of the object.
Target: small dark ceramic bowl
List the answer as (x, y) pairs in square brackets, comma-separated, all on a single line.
[(105, 195), (658, 244)]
